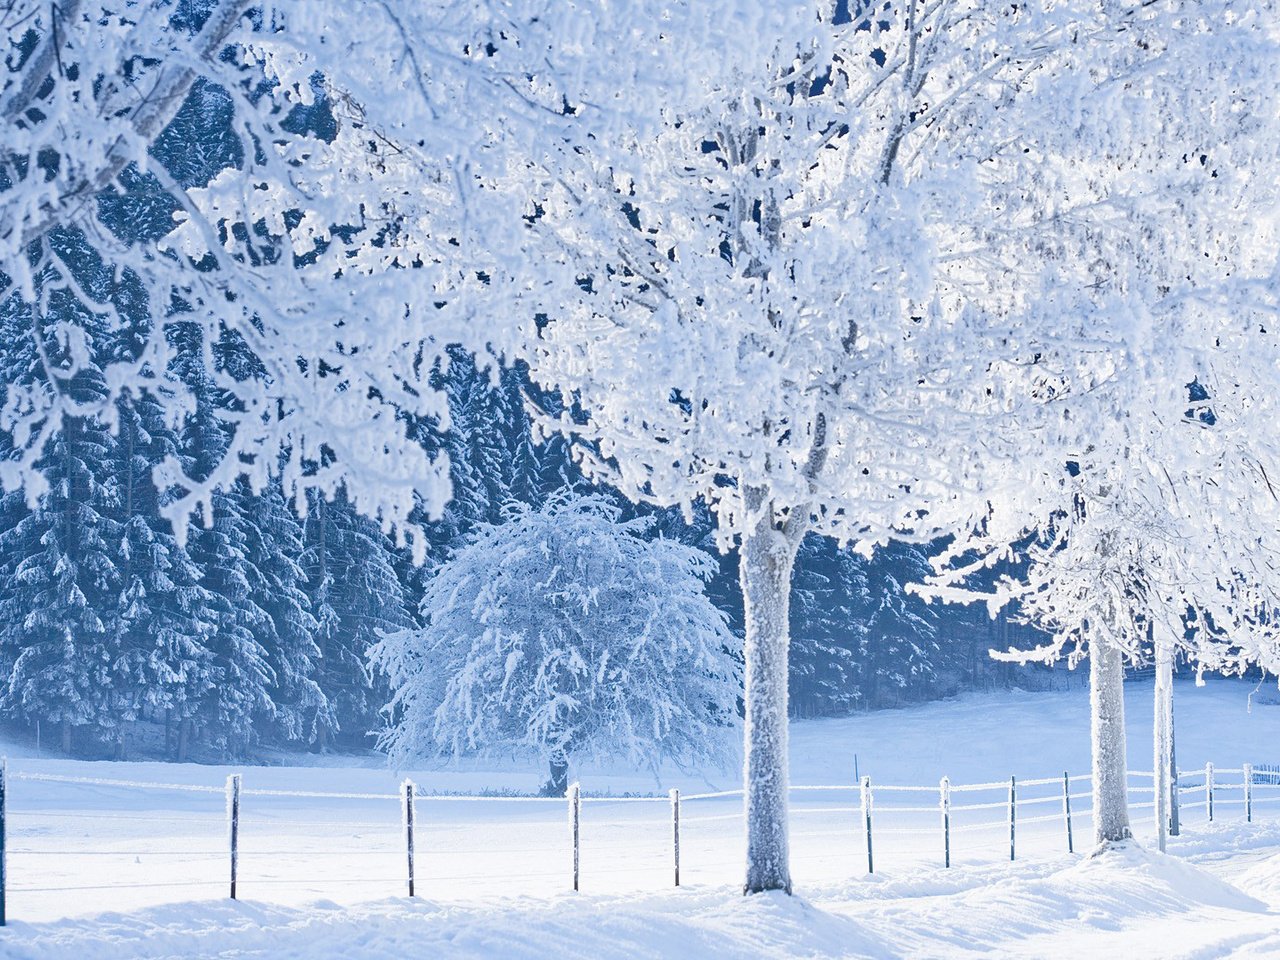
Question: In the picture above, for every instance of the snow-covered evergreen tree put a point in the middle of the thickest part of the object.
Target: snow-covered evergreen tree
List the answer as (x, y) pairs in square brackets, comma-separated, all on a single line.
[(278, 585), (901, 649), (858, 637), (565, 633), (355, 596), (239, 702), (222, 547), (827, 635), (58, 603), (162, 663)]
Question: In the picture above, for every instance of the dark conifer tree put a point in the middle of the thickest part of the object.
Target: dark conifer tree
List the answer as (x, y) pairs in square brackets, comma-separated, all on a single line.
[(58, 602), (355, 595)]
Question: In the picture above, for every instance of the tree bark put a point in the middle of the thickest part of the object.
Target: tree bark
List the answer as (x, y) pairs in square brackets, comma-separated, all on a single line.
[(1163, 737), (1110, 780), (66, 737), (767, 557)]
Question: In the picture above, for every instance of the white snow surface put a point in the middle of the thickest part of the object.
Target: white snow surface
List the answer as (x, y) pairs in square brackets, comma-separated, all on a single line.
[(92, 867)]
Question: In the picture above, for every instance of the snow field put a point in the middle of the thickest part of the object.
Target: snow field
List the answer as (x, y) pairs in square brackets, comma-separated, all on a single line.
[(317, 873), (97, 840), (1129, 904)]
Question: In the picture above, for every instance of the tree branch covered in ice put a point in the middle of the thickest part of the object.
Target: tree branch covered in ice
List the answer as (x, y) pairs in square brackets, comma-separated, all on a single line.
[(348, 234)]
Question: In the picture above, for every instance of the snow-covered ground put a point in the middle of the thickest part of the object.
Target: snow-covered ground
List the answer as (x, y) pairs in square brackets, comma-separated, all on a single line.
[(97, 870)]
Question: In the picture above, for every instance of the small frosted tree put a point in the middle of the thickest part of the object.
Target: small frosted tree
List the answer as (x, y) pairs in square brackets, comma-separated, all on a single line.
[(565, 634)]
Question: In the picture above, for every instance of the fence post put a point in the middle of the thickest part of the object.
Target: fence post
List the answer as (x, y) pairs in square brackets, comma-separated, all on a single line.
[(575, 820), (1208, 788), (4, 878), (675, 832), (1175, 791), (1013, 812), (407, 803), (944, 802), (1066, 809), (1248, 792), (233, 826), (866, 818)]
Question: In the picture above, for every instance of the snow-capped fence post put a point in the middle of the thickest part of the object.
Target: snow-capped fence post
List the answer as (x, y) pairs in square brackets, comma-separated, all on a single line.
[(1013, 812), (675, 832), (866, 818), (1208, 788), (407, 803), (233, 826), (944, 803), (4, 878), (1175, 791), (1066, 809), (1248, 792), (575, 820)]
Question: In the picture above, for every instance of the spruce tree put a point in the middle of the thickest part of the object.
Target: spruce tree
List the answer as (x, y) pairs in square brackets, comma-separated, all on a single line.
[(278, 585), (356, 595), (58, 602), (239, 701), (162, 664)]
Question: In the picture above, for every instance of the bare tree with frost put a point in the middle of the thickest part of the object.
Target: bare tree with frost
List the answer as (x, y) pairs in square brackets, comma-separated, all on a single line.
[(565, 633)]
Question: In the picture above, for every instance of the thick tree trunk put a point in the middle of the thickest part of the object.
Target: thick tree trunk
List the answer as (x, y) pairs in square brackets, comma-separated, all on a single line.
[(767, 557), (1163, 738), (66, 737), (1110, 781)]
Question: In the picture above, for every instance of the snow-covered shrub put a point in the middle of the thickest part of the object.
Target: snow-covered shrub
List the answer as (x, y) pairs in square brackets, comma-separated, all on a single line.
[(563, 633)]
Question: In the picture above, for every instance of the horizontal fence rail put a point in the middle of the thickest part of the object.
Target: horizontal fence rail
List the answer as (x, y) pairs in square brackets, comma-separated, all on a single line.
[(394, 838)]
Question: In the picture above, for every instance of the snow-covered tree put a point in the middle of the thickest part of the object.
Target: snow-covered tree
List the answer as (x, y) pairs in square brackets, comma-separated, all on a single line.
[(824, 668), (857, 637), (336, 215), (1149, 514), (239, 701), (566, 634), (164, 619), (279, 586), (58, 601), (792, 298), (355, 597)]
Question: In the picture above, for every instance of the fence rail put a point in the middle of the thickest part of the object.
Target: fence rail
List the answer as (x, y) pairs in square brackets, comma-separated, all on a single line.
[(877, 812)]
